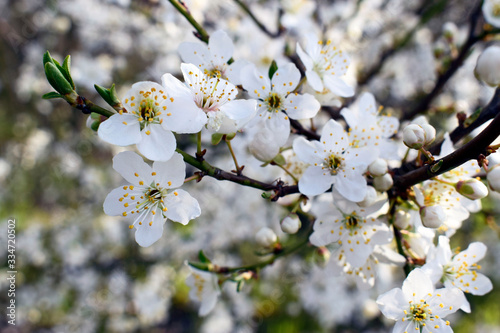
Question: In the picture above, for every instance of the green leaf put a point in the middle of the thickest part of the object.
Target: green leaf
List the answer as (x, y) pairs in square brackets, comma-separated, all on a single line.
[(51, 95), (113, 95), (109, 95), (435, 168), (66, 65), (272, 69), (47, 58), (199, 265), (57, 79), (203, 258), (216, 138)]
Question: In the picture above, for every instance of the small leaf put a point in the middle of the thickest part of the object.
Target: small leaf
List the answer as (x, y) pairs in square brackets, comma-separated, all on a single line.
[(57, 79), (272, 69), (66, 65), (199, 265), (203, 258), (113, 95), (51, 95), (472, 118), (216, 138), (47, 58)]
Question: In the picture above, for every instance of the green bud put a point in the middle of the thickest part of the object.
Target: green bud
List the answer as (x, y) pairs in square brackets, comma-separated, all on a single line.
[(95, 125), (66, 72), (279, 159), (230, 136), (109, 95), (51, 95), (200, 266), (57, 79)]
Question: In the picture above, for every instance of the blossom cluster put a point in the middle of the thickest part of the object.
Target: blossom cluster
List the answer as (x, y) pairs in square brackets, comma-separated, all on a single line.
[(343, 172)]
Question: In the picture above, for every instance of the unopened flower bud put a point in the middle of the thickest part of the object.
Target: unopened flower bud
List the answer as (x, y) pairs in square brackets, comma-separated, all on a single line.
[(450, 30), (472, 189), (493, 178), (266, 237), (264, 146), (290, 224), (378, 167), (488, 66), (432, 216), (414, 136), (383, 183), (402, 219), (370, 197), (429, 130)]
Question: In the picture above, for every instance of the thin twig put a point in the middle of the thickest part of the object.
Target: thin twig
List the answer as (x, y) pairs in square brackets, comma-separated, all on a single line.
[(280, 30), (181, 7)]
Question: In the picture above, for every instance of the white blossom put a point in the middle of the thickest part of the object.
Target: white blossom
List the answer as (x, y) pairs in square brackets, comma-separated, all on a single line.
[(418, 307), (204, 289), (152, 195)]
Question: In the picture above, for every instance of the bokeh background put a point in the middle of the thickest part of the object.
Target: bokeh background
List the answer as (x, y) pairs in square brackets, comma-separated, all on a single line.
[(81, 271)]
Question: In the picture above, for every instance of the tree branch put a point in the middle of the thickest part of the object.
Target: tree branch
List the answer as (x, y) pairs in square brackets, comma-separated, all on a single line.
[(181, 7), (280, 29), (469, 151), (280, 189)]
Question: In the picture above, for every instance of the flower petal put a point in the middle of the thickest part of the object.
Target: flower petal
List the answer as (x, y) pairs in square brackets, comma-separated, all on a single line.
[(256, 84), (315, 181), (351, 185), (285, 79), (308, 151), (221, 47), (392, 304), (279, 124), (301, 106), (338, 86), (120, 129), (305, 58), (132, 167), (157, 144), (417, 286), (182, 115), (182, 207), (194, 53), (334, 138), (233, 71), (240, 109), (121, 202), (147, 234), (315, 81), (171, 173), (174, 86)]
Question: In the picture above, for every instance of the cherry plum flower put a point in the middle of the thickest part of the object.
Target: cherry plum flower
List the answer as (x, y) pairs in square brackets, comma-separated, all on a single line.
[(325, 65), (152, 114), (418, 307), (214, 96), (276, 100), (152, 196), (334, 161), (204, 289), (212, 59)]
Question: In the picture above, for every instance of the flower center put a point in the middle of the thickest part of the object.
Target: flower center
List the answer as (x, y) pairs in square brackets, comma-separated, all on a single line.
[(496, 9), (333, 162), (274, 102), (418, 312)]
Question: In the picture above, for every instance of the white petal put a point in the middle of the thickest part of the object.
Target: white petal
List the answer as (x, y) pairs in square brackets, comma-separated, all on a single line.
[(240, 109), (183, 116), (388, 125), (334, 138), (301, 106), (279, 124), (417, 286), (476, 285), (233, 71), (315, 181), (446, 301), (120, 129), (475, 252), (338, 86), (431, 327), (174, 87), (392, 304), (171, 173), (221, 47), (308, 151), (315, 81), (405, 326), (350, 117), (133, 168), (194, 53), (181, 207), (352, 187), (119, 203), (305, 58), (367, 104), (257, 84), (157, 144), (443, 253), (285, 79), (147, 234), (357, 252)]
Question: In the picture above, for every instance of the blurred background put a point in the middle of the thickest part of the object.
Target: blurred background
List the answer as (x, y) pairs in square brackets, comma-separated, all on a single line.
[(81, 271)]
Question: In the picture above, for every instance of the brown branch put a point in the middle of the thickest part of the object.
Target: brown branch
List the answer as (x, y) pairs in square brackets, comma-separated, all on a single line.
[(469, 151), (280, 29)]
